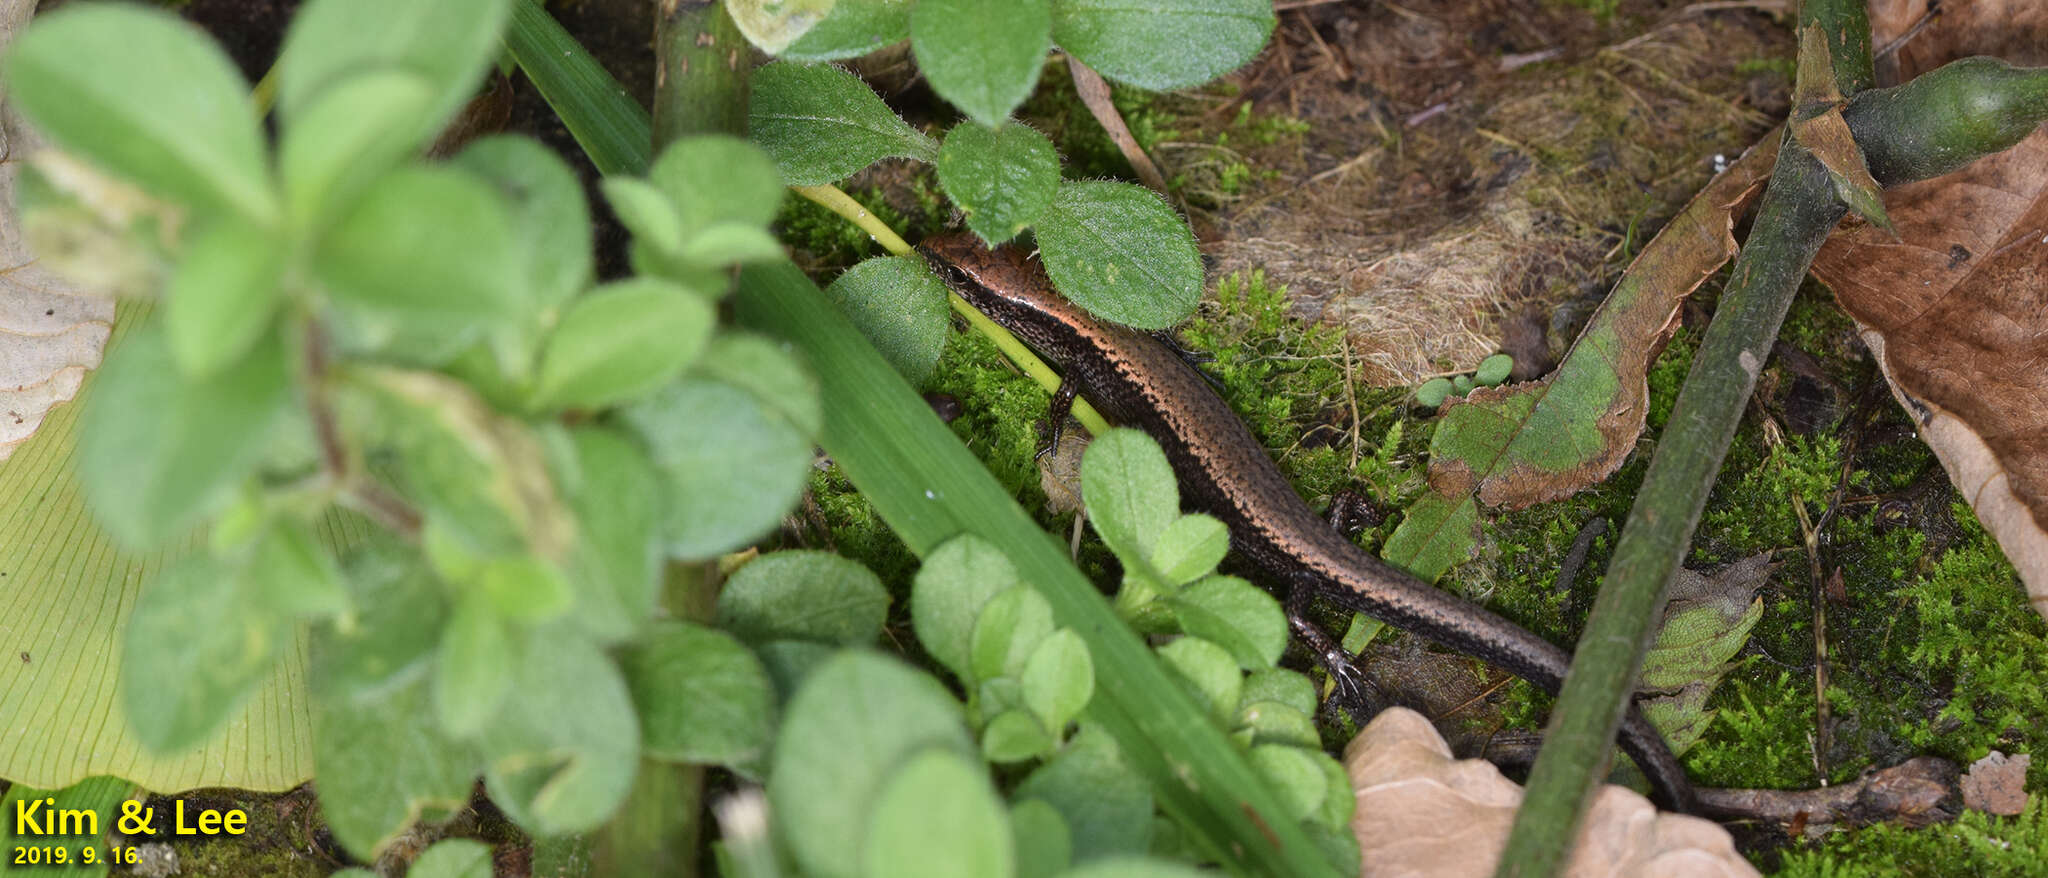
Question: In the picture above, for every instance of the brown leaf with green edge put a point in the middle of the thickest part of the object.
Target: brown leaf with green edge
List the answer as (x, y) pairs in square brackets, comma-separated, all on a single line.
[(1523, 444), (1954, 312)]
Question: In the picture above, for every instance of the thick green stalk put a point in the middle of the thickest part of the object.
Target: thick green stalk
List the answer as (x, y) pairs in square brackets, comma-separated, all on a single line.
[(1797, 213), (930, 488), (700, 84)]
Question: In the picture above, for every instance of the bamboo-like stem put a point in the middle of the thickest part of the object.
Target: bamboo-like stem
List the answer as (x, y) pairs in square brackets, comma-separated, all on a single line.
[(700, 84), (1795, 216)]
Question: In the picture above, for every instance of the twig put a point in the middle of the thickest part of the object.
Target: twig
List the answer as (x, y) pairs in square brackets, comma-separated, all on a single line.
[(1095, 96)]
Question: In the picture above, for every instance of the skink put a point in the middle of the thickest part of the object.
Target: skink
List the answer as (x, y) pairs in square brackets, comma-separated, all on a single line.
[(1137, 381)]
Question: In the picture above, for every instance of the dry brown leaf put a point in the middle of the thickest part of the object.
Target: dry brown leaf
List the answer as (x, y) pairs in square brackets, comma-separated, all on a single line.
[(1422, 812), (1956, 310), (1997, 783)]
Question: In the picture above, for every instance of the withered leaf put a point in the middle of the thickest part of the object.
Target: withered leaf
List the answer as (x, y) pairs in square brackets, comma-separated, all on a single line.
[(1422, 812), (1524, 444), (1957, 314), (1997, 783)]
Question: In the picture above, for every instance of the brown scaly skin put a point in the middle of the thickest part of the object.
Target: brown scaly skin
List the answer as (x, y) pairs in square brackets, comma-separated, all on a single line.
[(1224, 471)]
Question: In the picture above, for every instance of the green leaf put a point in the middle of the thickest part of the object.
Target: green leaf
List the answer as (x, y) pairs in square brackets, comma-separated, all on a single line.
[(550, 219), (765, 368), (1131, 492), (448, 44), (1108, 806), (160, 104), (1002, 178), (645, 212), (222, 295), (727, 243), (1282, 685), (1436, 534), (1133, 867), (382, 762), (982, 57), (294, 576), (1210, 670), (1340, 801), (821, 123), (1433, 392), (1010, 626), (958, 579), (616, 565), (1493, 370), (732, 467), (621, 342), (1272, 722), (804, 595), (453, 858), (1058, 678), (608, 123), (1295, 775), (93, 797), (524, 588), (402, 611), (789, 662), (939, 817), (562, 753), (348, 136), (1045, 846), (1162, 44), (1190, 548), (427, 250), (899, 306), (1119, 251), (712, 180), (856, 719), (473, 671), (1015, 735), (773, 24), (1236, 615), (179, 685), (158, 452), (854, 28), (702, 696)]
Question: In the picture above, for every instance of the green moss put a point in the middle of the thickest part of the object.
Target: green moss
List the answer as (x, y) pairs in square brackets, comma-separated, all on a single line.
[(1976, 844)]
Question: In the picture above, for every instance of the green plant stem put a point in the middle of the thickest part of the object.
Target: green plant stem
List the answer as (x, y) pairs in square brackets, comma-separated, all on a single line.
[(611, 127), (930, 488), (701, 79), (1796, 215)]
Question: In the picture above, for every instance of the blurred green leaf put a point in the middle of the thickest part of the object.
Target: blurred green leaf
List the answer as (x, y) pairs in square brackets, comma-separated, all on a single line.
[(453, 858), (382, 761), (1059, 679), (621, 342), (1002, 178), (448, 44), (550, 219), (1015, 735), (1190, 547), (765, 368), (294, 576), (982, 57), (473, 668), (158, 453), (804, 595), (899, 306), (180, 686), (732, 467), (160, 104), (1236, 615), (702, 696), (1122, 253), (1210, 670), (1272, 722), (1282, 685), (1108, 807), (616, 565), (1045, 846), (1295, 774), (1163, 44), (222, 294), (939, 817), (351, 133), (1493, 370), (852, 723), (820, 124), (562, 754), (1009, 627), (1131, 492), (957, 580)]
